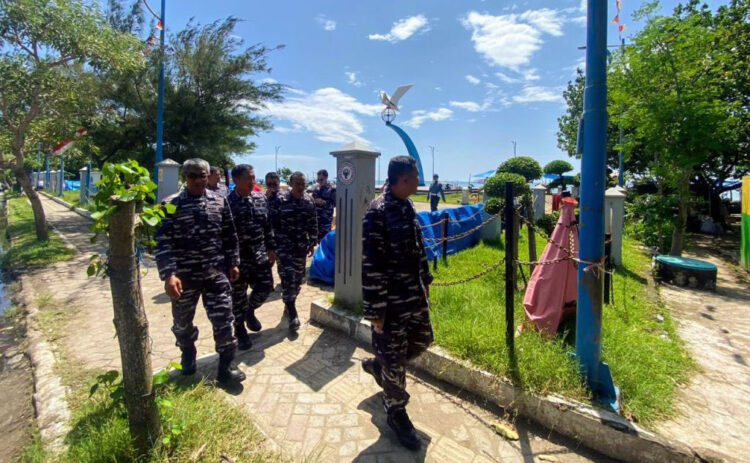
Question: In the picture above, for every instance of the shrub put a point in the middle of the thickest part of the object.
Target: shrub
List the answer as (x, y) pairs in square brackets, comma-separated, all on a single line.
[(495, 185), (522, 165), (493, 206), (649, 218), (547, 222)]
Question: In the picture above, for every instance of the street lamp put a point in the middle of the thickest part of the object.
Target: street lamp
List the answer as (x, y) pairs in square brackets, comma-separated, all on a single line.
[(514, 148), (276, 159), (160, 101)]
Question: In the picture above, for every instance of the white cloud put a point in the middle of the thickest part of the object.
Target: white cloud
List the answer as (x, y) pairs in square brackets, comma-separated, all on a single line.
[(419, 116), (472, 80), (269, 80), (330, 114), (351, 77), (507, 79), (533, 94), (471, 106), (438, 89), (403, 29), (510, 40), (325, 22)]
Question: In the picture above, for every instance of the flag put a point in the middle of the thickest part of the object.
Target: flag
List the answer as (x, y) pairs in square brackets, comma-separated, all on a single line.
[(616, 19), (64, 145), (618, 4), (621, 27), (159, 25)]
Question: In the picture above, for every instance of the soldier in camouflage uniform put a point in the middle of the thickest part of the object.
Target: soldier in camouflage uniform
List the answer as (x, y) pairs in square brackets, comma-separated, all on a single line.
[(273, 184), (214, 178), (250, 212), (296, 229), (395, 285), (197, 254), (324, 196)]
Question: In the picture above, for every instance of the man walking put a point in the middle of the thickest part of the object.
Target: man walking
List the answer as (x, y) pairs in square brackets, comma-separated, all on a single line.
[(324, 196), (214, 184), (296, 229), (256, 241), (395, 284), (197, 254), (435, 192)]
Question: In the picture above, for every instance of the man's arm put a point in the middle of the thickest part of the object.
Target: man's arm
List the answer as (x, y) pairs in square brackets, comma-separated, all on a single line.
[(230, 243), (267, 229), (442, 192), (165, 260), (374, 266), (312, 226)]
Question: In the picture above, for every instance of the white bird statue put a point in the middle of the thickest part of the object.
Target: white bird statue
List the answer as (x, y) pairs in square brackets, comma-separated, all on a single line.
[(391, 102)]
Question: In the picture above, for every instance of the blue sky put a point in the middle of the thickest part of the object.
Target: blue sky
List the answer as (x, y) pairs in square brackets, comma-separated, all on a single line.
[(485, 73)]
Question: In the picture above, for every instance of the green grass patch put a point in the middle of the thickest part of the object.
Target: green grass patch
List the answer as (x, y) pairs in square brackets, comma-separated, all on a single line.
[(24, 248), (645, 355), (450, 198), (73, 197)]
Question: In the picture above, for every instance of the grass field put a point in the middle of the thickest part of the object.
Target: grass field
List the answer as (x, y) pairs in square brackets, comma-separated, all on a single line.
[(24, 248), (645, 355), (450, 198), (72, 197)]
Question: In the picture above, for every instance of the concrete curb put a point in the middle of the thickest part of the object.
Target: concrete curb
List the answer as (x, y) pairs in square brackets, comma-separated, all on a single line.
[(595, 428), (50, 407), (82, 212)]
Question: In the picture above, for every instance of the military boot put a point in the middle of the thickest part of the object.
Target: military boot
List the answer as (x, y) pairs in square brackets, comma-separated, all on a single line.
[(228, 372), (188, 359), (371, 366), (399, 421), (243, 339), (252, 321), (291, 312)]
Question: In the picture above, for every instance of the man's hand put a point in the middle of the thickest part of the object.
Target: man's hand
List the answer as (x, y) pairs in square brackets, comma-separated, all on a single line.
[(234, 274), (377, 323), (173, 287), (320, 202), (311, 250), (271, 258)]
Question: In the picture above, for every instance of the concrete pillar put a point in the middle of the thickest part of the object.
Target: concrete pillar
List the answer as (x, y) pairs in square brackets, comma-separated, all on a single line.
[(574, 191), (491, 231), (53, 178), (82, 192), (614, 220), (464, 196), (169, 180), (539, 193), (355, 188), (96, 175)]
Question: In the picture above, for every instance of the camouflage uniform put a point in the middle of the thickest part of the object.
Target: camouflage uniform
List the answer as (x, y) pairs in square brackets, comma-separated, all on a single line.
[(296, 228), (273, 205), (395, 273), (256, 239), (198, 244), (327, 193), (220, 189)]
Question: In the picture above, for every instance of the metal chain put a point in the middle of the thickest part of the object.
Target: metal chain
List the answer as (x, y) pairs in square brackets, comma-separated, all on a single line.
[(467, 232), (423, 227), (473, 277), (535, 229)]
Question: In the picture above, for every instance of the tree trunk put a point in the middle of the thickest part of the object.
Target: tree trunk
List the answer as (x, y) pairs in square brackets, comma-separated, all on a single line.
[(40, 220), (678, 236), (530, 230), (131, 326)]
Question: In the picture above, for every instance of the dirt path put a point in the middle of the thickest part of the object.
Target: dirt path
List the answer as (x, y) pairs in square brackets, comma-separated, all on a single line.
[(714, 409), (16, 387)]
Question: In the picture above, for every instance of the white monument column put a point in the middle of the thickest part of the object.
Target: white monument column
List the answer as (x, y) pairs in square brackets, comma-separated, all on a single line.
[(614, 220), (169, 180), (539, 193), (355, 188)]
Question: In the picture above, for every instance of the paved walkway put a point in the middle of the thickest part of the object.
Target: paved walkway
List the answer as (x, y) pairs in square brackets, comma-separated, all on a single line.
[(714, 410), (308, 394)]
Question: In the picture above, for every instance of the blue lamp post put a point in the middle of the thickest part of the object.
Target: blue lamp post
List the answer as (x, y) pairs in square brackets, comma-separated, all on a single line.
[(593, 176)]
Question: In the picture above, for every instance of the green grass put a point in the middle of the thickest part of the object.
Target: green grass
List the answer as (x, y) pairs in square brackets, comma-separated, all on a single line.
[(450, 198), (469, 321), (72, 197), (24, 248)]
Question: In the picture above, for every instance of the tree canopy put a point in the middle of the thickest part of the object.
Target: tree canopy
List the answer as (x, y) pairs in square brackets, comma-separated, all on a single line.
[(526, 166)]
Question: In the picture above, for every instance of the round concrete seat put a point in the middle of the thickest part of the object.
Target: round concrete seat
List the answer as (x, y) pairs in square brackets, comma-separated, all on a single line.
[(685, 271)]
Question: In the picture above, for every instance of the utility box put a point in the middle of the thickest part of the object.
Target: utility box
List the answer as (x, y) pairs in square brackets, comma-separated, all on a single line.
[(355, 188)]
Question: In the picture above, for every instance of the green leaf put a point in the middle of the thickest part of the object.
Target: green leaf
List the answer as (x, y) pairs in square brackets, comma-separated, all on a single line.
[(171, 208), (160, 377), (150, 220), (175, 365), (91, 270), (94, 388), (97, 215)]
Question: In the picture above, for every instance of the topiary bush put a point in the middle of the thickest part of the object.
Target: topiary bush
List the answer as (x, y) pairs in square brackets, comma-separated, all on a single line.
[(547, 222), (526, 166), (494, 186), (493, 206)]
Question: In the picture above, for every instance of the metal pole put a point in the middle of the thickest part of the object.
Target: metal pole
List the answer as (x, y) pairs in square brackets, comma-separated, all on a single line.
[(445, 238), (276, 159), (62, 176), (432, 148), (514, 148), (160, 102), (593, 176), (510, 268), (46, 171), (621, 167), (88, 182)]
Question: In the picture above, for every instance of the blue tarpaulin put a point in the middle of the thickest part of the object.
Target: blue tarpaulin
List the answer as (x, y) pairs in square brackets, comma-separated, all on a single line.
[(72, 185), (461, 219), (323, 261)]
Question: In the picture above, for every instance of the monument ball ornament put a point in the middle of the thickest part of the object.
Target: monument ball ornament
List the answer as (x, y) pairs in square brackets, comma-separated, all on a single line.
[(388, 115), (346, 173)]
